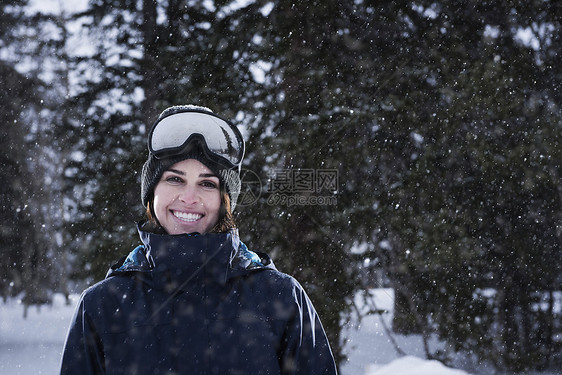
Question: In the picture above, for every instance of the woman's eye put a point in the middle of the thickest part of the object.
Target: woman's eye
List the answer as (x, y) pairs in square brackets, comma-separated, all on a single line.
[(174, 179), (209, 184)]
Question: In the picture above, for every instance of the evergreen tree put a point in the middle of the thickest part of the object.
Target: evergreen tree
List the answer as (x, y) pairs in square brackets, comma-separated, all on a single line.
[(17, 225), (25, 269), (481, 183)]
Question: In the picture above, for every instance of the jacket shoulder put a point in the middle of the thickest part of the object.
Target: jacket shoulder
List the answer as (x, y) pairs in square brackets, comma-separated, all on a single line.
[(113, 288), (276, 284)]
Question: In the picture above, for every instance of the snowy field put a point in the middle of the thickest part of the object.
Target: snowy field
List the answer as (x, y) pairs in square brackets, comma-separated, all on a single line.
[(370, 350), (33, 346)]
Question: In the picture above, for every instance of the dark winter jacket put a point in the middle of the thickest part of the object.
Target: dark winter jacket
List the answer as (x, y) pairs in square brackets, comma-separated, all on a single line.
[(196, 304)]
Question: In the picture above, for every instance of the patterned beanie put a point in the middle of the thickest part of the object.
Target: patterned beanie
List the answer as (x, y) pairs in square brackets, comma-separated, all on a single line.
[(153, 168)]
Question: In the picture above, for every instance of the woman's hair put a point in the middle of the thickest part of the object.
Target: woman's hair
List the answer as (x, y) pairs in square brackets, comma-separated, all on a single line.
[(223, 225), (226, 220)]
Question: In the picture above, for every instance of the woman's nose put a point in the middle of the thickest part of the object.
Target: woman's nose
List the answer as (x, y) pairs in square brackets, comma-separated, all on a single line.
[(188, 195)]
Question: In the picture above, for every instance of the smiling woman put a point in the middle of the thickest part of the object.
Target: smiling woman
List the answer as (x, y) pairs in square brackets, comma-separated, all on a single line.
[(193, 299), (187, 198)]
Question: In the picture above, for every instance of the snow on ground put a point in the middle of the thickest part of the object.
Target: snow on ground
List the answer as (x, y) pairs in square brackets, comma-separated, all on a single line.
[(33, 346), (370, 350), (57, 6), (414, 365)]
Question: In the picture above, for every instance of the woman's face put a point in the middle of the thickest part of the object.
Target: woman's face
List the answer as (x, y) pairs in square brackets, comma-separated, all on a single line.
[(187, 198)]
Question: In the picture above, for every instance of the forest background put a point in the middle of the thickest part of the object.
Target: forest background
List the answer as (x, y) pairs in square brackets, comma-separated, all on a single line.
[(410, 144)]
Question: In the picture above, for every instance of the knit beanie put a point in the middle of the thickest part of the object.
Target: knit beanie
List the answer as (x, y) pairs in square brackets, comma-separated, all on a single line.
[(153, 168)]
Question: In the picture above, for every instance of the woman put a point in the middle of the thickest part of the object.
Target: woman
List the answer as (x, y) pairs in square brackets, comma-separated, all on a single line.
[(193, 299)]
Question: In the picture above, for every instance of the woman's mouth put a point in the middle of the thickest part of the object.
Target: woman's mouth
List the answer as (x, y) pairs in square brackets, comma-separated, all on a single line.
[(187, 217)]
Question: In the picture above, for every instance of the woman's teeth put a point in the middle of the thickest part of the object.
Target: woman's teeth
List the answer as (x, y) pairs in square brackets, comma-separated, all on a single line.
[(187, 216)]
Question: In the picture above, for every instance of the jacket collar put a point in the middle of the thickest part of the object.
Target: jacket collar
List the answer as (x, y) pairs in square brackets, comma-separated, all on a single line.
[(179, 261)]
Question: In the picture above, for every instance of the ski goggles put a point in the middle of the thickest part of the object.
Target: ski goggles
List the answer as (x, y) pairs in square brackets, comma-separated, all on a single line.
[(179, 132)]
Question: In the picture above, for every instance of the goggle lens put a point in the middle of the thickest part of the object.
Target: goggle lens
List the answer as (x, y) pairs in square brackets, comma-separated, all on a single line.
[(171, 135)]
